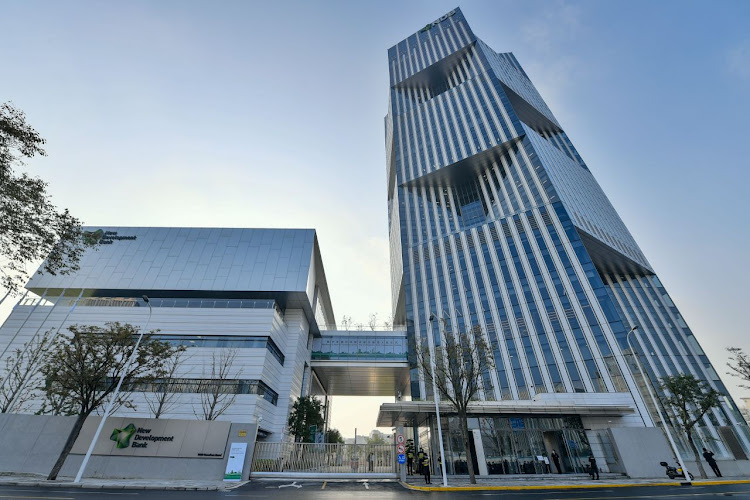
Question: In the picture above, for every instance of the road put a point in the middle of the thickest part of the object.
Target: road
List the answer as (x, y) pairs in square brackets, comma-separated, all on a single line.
[(302, 490)]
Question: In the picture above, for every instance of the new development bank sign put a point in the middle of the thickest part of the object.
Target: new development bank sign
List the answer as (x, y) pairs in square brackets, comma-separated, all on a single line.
[(146, 437)]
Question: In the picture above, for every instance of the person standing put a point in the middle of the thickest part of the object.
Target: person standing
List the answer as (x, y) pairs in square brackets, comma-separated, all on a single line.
[(709, 456), (420, 458), (440, 464), (371, 461), (556, 460), (410, 461), (593, 468), (426, 468)]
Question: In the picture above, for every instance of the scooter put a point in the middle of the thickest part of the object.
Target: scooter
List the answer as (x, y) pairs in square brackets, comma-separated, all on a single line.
[(674, 472)]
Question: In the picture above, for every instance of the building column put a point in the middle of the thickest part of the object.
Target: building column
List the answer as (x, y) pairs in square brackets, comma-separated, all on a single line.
[(479, 447)]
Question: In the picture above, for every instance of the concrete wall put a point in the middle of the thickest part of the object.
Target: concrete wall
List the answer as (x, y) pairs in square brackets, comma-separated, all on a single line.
[(32, 443), (640, 450)]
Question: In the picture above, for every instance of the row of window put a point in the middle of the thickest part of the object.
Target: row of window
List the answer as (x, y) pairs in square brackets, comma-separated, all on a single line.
[(223, 341), (205, 385)]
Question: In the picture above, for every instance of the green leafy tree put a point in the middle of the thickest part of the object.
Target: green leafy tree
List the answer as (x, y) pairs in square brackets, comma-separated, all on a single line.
[(459, 366), (334, 436), (31, 227), (690, 399), (306, 412), (376, 438), (81, 371)]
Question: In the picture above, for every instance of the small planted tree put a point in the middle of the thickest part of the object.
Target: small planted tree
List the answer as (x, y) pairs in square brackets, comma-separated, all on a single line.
[(219, 392), (457, 372), (164, 395), (81, 371), (20, 383), (690, 399), (306, 412)]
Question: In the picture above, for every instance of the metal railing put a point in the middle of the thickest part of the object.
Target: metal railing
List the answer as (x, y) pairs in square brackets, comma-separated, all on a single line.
[(324, 458)]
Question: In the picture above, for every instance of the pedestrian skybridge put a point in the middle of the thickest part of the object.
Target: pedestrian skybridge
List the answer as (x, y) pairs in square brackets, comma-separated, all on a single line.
[(361, 362)]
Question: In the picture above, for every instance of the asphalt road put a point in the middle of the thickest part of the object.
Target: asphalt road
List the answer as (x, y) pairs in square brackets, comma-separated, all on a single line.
[(288, 490)]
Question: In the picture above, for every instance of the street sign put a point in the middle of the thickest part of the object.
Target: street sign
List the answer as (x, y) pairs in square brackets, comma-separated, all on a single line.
[(401, 458), (400, 449), (400, 438)]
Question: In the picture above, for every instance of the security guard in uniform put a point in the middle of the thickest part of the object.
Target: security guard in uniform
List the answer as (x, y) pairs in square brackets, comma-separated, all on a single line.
[(420, 457), (410, 461), (426, 468)]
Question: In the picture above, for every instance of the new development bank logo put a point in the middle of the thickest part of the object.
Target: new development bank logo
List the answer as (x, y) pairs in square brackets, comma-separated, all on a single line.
[(102, 237), (122, 436), (140, 436)]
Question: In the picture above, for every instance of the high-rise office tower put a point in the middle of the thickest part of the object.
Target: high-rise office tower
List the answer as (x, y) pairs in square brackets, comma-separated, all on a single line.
[(498, 226)]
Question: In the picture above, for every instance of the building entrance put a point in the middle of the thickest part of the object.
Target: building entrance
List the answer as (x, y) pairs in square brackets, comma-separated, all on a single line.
[(515, 444)]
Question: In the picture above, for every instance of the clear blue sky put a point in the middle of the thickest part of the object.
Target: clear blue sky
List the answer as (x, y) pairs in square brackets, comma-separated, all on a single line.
[(271, 114)]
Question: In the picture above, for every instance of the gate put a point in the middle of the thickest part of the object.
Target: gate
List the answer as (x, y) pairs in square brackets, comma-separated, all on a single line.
[(323, 460)]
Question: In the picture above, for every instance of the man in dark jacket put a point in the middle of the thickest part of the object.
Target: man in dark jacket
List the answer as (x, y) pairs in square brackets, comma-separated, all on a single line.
[(593, 468), (556, 460), (709, 456)]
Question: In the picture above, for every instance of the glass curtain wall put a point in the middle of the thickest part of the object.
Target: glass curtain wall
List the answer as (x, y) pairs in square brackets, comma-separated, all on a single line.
[(516, 444)]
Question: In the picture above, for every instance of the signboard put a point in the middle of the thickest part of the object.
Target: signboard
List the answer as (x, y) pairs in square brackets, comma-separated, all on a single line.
[(400, 449), (146, 437), (516, 423), (236, 462), (400, 438), (401, 458)]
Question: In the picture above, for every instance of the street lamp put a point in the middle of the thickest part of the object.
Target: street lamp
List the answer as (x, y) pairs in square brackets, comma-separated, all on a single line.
[(114, 394), (437, 411), (656, 405)]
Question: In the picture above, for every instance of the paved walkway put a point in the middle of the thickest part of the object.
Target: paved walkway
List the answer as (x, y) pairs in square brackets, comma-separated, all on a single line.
[(553, 481), (140, 484)]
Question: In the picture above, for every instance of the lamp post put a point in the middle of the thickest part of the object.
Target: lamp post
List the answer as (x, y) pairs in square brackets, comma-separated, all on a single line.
[(437, 411), (114, 395), (656, 405)]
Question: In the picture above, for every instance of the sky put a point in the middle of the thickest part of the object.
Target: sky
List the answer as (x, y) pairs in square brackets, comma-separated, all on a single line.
[(270, 114)]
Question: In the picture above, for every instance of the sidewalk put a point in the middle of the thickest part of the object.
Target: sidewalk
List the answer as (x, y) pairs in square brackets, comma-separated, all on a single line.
[(138, 484), (552, 481)]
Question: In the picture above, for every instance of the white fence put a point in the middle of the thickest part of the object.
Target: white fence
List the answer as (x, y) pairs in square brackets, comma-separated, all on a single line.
[(322, 458)]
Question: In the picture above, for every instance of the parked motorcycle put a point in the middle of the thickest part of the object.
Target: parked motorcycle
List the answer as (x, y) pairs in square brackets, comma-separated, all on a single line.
[(674, 472)]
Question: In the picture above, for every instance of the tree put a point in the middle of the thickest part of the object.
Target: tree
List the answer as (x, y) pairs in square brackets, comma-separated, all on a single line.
[(373, 321), (21, 366), (306, 412), (459, 365), (690, 399), (219, 392), (82, 371), (31, 227), (376, 438), (334, 436), (739, 365), (164, 396), (346, 322)]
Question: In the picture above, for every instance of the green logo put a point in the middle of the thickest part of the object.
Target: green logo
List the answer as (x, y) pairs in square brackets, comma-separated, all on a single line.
[(122, 436), (93, 237)]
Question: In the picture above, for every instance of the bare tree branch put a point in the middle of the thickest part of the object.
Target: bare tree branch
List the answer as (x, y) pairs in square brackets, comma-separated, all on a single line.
[(217, 393), (460, 363)]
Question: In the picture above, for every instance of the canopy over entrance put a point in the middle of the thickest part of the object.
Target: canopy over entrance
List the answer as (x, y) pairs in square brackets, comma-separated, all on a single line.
[(415, 413)]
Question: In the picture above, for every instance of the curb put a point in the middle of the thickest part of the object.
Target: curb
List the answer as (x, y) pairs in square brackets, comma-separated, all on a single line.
[(565, 486), (50, 484)]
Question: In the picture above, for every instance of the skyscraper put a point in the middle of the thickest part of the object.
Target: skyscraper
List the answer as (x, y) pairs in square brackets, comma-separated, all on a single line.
[(498, 226)]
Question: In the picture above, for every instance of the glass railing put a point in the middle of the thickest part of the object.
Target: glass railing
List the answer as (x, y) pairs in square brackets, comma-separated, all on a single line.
[(365, 347)]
